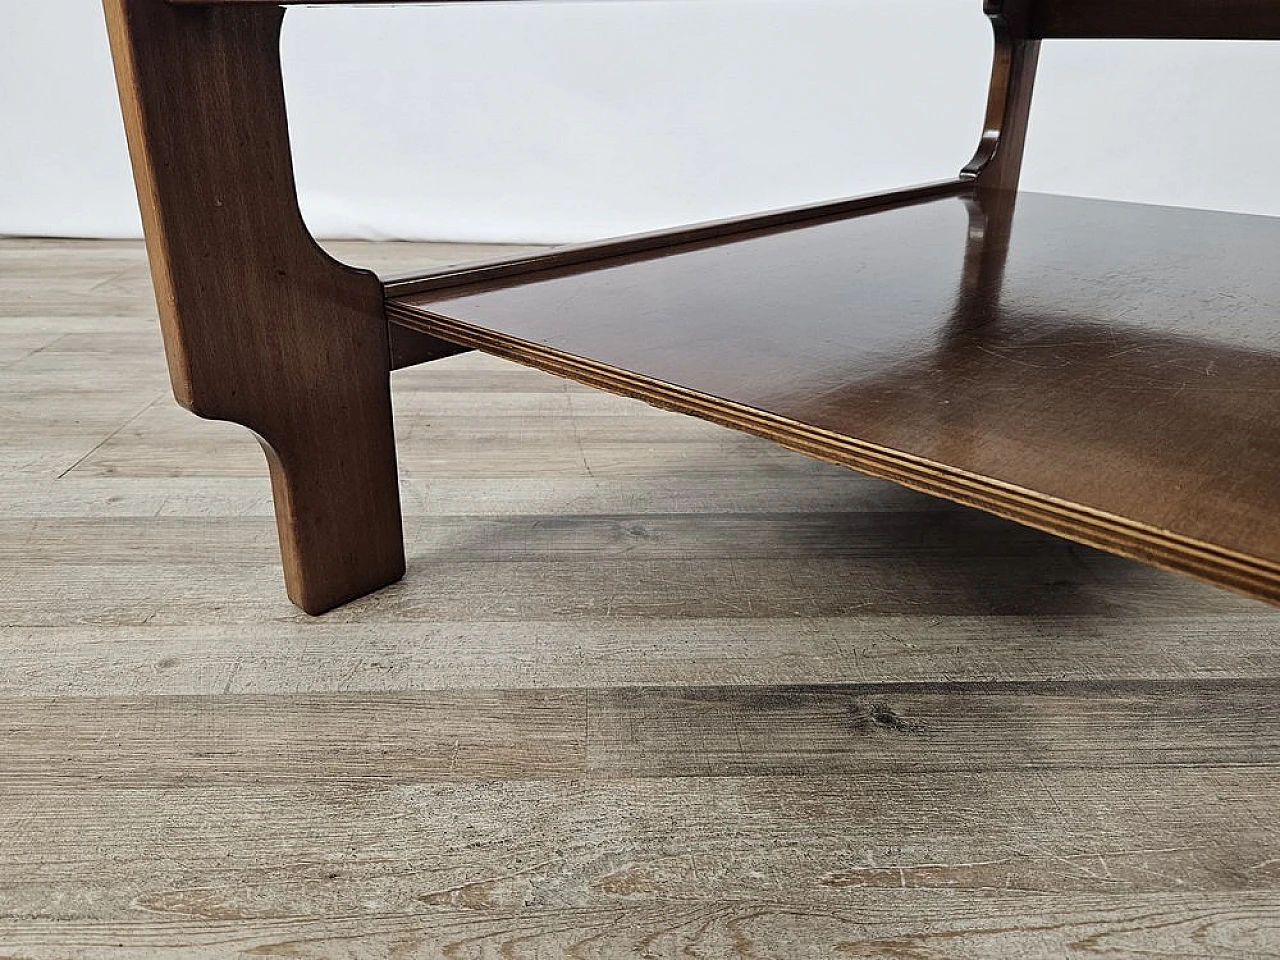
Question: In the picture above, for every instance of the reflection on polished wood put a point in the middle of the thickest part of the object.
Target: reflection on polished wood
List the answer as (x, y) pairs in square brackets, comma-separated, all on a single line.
[(1106, 371)]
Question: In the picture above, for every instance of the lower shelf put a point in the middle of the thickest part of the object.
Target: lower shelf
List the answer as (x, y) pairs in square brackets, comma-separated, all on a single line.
[(1109, 372)]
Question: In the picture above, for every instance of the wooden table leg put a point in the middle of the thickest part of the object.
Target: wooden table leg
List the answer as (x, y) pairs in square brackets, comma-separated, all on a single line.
[(261, 327)]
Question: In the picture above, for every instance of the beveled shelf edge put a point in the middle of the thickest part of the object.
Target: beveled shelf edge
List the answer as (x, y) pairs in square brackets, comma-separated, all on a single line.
[(1249, 575), (598, 252)]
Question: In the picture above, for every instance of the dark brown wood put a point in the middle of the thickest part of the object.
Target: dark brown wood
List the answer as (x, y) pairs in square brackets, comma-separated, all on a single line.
[(261, 327), (412, 347), (1157, 19), (998, 160), (1046, 19), (1104, 371)]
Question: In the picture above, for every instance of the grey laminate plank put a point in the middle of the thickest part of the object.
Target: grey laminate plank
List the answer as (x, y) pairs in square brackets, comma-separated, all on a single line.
[(367, 654), (144, 497), (957, 927), (892, 844), (814, 730), (166, 442), (179, 742), (934, 534), (662, 732), (189, 590)]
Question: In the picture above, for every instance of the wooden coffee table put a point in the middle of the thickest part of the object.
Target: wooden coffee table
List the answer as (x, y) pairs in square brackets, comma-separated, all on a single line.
[(1109, 372)]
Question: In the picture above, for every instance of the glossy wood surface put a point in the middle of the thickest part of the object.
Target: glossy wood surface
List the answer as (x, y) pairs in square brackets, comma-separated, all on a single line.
[(1106, 371), (997, 162)]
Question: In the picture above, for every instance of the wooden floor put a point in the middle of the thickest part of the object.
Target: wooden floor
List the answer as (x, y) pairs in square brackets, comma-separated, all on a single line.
[(652, 688)]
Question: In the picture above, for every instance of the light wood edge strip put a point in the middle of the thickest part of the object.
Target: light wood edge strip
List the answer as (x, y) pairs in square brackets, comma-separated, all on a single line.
[(1249, 575), (661, 241)]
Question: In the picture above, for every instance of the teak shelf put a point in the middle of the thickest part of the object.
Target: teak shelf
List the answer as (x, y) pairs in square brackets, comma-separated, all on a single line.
[(1109, 372)]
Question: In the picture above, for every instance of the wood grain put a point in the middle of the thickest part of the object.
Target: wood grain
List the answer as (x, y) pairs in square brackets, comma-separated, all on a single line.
[(261, 327), (579, 652), (367, 737), (975, 927), (796, 731), (893, 844), (386, 739)]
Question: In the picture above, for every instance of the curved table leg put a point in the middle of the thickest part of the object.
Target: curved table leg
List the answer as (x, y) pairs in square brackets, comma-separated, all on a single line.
[(261, 327)]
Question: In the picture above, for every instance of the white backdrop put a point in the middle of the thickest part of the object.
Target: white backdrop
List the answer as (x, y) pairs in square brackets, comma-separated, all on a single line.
[(563, 121)]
